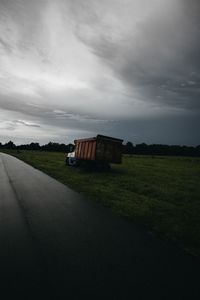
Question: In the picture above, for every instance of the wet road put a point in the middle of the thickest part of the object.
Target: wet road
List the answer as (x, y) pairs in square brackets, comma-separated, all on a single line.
[(55, 244)]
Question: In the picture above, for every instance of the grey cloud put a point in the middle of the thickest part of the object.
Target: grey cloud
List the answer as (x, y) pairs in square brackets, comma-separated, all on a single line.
[(12, 125), (140, 55), (26, 123), (5, 45), (182, 130), (156, 55), (76, 117), (51, 115), (21, 25)]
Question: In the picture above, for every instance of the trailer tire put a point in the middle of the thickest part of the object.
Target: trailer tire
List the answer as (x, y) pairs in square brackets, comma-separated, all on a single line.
[(103, 167), (67, 161)]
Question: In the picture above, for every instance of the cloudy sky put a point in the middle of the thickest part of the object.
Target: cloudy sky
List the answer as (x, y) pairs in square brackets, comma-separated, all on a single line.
[(75, 68)]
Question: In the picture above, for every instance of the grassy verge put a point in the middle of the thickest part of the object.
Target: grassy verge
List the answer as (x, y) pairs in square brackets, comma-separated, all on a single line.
[(162, 193)]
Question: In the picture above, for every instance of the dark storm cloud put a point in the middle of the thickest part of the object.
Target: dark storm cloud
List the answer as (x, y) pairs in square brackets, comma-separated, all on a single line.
[(179, 130), (125, 68), (51, 115), (158, 55)]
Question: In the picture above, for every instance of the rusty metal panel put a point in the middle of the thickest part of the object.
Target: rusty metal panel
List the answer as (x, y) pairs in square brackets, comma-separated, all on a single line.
[(86, 150), (78, 149), (89, 150), (101, 148), (108, 151), (83, 150), (93, 153)]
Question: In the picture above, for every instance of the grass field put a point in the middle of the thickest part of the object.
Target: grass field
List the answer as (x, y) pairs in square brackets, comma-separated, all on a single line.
[(162, 193)]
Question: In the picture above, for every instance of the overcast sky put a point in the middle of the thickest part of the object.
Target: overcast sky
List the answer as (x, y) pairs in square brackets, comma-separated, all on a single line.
[(75, 68)]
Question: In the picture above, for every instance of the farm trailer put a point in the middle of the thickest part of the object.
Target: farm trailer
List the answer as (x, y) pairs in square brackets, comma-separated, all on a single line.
[(99, 151)]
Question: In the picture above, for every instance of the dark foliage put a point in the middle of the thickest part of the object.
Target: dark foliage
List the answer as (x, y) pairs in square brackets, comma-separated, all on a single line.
[(9, 145), (54, 147), (158, 149), (128, 148)]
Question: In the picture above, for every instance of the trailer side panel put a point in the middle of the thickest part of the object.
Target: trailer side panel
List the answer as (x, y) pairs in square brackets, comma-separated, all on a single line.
[(108, 151), (85, 149), (100, 148)]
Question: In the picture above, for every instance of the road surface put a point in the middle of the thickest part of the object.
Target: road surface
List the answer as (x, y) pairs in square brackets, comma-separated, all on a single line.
[(56, 244)]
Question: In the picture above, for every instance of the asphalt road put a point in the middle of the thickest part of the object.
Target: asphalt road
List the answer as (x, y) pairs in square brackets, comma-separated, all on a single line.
[(56, 244)]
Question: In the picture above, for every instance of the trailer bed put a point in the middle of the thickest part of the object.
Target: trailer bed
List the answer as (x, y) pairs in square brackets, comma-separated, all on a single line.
[(100, 148)]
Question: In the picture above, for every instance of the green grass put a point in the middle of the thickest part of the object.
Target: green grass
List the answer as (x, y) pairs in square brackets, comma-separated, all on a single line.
[(162, 193)]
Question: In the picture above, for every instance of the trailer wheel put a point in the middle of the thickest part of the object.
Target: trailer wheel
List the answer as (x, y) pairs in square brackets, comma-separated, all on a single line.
[(103, 166), (67, 161), (106, 167)]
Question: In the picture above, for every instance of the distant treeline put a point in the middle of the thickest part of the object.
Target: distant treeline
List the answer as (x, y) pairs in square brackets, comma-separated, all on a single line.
[(159, 149), (128, 148), (36, 146)]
